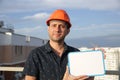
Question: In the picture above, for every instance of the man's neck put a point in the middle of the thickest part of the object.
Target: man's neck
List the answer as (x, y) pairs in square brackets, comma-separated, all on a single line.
[(58, 47)]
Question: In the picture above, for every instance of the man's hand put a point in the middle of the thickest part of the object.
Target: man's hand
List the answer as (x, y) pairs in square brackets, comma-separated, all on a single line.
[(67, 76), (27, 77), (103, 50)]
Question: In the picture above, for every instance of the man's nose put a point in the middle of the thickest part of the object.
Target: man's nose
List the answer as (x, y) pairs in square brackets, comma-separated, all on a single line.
[(57, 28)]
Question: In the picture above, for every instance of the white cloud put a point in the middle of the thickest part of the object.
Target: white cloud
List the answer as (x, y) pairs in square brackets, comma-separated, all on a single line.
[(100, 4), (27, 30), (95, 26), (20, 5), (37, 16), (95, 30), (38, 31), (35, 5)]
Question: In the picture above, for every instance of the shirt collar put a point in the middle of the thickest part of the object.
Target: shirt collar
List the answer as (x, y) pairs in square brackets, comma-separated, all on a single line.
[(49, 48)]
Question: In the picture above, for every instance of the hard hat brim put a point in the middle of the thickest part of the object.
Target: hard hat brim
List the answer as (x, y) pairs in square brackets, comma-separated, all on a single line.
[(48, 22)]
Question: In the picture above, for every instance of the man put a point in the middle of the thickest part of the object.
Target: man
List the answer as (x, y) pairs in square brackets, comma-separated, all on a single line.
[(49, 62)]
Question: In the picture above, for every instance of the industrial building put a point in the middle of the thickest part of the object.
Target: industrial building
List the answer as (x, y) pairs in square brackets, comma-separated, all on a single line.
[(14, 49)]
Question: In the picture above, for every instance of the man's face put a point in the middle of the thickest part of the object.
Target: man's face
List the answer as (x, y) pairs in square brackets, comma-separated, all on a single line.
[(57, 30)]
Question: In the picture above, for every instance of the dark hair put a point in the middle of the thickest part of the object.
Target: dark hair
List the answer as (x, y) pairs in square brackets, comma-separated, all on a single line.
[(67, 25)]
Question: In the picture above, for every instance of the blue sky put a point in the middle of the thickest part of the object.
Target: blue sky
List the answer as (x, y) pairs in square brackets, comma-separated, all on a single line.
[(89, 18)]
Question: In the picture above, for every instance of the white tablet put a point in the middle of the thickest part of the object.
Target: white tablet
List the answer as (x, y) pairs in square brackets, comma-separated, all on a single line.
[(89, 63)]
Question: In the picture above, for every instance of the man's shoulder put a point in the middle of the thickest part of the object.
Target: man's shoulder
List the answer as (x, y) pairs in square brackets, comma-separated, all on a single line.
[(37, 52), (71, 48), (40, 48)]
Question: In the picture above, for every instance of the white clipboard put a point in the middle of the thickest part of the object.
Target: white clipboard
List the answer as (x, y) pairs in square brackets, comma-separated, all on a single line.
[(90, 63)]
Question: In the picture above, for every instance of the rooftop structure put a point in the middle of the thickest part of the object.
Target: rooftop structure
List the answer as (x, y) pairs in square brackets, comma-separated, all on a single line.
[(14, 50)]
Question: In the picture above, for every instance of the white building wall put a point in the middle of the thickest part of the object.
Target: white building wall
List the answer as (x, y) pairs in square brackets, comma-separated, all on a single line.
[(16, 39), (111, 62), (5, 39), (26, 40)]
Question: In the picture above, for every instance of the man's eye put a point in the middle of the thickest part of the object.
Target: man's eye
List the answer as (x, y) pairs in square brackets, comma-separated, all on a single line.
[(62, 26), (53, 25)]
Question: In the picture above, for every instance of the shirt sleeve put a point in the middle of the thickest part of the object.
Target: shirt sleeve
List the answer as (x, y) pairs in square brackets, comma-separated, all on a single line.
[(31, 67)]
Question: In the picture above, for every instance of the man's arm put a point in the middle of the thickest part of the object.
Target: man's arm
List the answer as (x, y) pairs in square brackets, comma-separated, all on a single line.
[(27, 77)]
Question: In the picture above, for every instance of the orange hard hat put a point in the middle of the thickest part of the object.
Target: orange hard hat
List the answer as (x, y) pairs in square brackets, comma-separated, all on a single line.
[(59, 14)]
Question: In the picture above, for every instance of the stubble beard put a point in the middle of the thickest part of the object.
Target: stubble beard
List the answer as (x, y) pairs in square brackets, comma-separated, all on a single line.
[(58, 40)]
